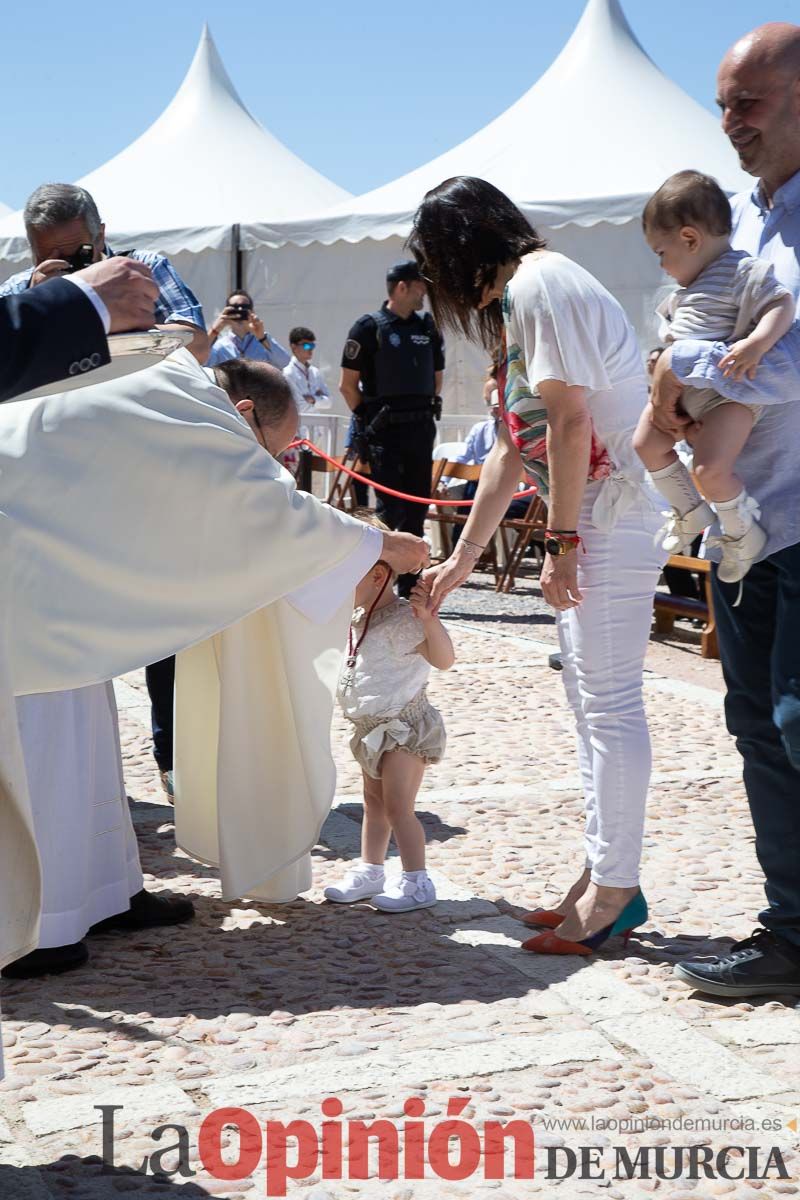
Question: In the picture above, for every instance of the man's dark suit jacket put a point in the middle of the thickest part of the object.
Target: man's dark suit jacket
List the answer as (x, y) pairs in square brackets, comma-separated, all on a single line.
[(47, 333)]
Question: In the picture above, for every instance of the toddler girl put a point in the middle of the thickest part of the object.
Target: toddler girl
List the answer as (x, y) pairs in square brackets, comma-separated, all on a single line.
[(393, 644), (725, 294)]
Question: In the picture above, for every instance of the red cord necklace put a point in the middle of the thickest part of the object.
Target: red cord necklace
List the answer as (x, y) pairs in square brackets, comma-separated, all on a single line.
[(353, 646)]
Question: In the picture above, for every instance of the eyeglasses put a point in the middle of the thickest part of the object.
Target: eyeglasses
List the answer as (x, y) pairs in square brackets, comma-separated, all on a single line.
[(308, 345)]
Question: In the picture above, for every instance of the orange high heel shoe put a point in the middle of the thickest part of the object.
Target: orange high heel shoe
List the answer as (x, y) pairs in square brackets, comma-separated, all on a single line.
[(542, 918), (632, 916)]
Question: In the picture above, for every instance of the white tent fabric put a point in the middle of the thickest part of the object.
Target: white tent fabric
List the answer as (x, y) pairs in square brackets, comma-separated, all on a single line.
[(4, 209), (588, 143), (580, 152)]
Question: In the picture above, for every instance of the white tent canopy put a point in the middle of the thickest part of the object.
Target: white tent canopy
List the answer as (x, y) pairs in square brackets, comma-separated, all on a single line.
[(588, 143), (205, 165), (4, 209), (580, 152)]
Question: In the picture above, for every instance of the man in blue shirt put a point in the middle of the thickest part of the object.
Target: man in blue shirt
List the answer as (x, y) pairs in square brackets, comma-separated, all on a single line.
[(239, 332), (65, 233), (759, 95)]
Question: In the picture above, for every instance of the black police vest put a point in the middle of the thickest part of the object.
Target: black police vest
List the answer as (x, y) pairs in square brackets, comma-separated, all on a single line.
[(404, 363)]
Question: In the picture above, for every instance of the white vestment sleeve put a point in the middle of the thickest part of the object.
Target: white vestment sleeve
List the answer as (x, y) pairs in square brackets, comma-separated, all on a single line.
[(319, 599)]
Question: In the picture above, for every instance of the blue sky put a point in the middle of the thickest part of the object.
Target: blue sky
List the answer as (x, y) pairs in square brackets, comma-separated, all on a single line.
[(362, 91)]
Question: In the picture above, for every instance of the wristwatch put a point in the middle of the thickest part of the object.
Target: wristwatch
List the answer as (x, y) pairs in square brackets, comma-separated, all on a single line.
[(558, 543)]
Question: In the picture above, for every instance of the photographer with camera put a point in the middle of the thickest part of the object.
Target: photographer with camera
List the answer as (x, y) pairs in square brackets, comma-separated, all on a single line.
[(392, 369), (66, 235), (239, 332)]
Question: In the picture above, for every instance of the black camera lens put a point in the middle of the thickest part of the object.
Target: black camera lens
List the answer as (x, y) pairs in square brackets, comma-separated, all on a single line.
[(81, 258)]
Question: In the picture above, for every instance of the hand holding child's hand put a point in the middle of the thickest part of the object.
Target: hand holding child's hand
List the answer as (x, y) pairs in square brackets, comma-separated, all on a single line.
[(421, 601), (742, 359)]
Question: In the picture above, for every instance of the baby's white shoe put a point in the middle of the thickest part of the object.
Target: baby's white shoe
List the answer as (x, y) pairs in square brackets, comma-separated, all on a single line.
[(414, 889), (739, 554), (361, 882), (742, 538), (679, 532)]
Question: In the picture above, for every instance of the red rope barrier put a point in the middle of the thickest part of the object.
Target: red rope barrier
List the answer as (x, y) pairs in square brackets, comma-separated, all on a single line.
[(379, 487)]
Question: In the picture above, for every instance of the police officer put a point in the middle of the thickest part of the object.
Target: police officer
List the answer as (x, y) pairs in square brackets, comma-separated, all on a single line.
[(392, 369)]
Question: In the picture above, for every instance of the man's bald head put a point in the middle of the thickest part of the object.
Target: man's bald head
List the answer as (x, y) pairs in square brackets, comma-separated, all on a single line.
[(759, 95), (771, 47)]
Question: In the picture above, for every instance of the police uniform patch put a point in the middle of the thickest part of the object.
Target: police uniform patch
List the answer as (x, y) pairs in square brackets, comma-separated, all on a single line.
[(352, 348), (395, 339)]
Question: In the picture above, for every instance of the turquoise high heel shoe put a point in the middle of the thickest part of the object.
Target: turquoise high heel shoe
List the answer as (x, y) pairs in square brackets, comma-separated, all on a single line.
[(632, 916)]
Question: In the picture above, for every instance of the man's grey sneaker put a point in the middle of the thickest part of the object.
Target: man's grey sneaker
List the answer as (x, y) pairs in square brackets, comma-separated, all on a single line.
[(762, 965)]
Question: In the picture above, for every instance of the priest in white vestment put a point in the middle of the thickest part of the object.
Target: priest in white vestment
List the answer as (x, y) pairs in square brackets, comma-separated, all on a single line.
[(140, 517), (91, 873)]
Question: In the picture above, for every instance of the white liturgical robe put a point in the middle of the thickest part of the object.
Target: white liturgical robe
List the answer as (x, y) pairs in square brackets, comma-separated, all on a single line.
[(81, 820), (140, 517)]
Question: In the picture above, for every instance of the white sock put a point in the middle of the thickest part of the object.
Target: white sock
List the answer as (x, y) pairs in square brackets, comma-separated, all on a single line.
[(372, 868), (734, 518), (423, 874), (677, 486)]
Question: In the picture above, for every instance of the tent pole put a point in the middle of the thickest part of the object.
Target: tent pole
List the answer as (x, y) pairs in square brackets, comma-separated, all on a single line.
[(237, 259)]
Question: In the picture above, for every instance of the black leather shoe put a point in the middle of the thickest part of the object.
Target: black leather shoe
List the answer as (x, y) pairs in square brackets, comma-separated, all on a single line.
[(147, 911), (761, 965), (53, 960)]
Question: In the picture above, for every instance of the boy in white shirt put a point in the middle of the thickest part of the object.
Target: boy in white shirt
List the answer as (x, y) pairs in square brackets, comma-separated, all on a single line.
[(310, 390)]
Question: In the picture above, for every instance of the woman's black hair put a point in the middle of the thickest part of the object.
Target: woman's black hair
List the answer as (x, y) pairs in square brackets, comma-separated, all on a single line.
[(463, 231)]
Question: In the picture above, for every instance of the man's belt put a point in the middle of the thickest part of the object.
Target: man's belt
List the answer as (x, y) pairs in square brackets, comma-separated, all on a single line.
[(403, 410)]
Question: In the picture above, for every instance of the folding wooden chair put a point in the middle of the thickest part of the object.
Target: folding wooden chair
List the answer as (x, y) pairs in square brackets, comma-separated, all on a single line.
[(517, 534), (448, 517), (342, 489)]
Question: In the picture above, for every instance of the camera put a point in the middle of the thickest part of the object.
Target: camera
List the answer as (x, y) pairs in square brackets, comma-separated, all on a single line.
[(240, 312), (81, 258)]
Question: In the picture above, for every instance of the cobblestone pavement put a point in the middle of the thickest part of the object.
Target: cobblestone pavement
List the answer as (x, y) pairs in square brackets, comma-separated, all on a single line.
[(275, 1009)]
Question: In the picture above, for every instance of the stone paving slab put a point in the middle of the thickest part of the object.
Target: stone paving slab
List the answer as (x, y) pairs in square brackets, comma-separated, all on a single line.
[(143, 1104), (690, 1056), (486, 1056)]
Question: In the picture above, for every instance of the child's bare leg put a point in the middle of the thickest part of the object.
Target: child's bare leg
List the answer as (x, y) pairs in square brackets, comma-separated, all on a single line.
[(375, 829), (717, 446), (655, 449), (401, 776)]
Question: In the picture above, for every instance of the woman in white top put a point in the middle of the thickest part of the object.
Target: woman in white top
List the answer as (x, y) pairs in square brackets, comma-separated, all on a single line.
[(571, 399)]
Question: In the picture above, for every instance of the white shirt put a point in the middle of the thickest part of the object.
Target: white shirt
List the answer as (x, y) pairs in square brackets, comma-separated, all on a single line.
[(307, 381), (564, 325)]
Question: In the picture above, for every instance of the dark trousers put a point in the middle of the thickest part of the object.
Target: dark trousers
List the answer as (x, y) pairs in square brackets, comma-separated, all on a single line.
[(360, 490), (760, 649), (160, 678), (685, 583), (405, 464)]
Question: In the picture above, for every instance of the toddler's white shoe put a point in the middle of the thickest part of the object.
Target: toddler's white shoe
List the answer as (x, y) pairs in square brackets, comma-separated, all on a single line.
[(361, 882), (739, 554), (679, 532), (414, 889)]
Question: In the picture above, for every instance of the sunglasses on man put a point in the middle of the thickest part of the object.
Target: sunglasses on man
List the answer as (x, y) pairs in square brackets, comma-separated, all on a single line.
[(308, 345)]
